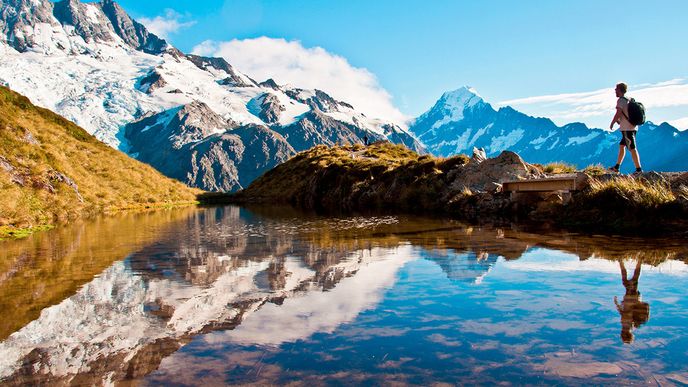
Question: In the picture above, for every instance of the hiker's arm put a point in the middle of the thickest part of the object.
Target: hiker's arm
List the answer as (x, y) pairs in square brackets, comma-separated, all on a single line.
[(617, 118)]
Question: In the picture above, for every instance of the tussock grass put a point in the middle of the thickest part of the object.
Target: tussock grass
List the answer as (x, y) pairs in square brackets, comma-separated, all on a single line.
[(36, 145), (559, 167), (628, 191), (595, 170), (625, 204)]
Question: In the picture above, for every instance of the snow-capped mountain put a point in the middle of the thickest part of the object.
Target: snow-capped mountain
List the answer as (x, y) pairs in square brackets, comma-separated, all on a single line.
[(93, 64), (461, 120)]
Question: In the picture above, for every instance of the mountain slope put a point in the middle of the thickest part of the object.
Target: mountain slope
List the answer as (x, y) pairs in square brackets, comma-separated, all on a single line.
[(52, 170), (93, 64), (461, 120)]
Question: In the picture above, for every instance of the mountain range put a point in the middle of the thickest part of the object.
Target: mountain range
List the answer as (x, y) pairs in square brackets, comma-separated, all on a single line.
[(194, 118), (202, 121), (461, 120)]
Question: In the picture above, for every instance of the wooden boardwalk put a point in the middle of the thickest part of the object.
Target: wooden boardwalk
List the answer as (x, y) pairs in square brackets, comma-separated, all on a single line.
[(561, 183)]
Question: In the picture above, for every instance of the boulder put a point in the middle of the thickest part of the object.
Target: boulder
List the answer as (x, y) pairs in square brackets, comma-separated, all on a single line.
[(490, 173)]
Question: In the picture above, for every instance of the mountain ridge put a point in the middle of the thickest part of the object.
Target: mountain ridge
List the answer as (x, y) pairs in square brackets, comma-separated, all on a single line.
[(457, 128)]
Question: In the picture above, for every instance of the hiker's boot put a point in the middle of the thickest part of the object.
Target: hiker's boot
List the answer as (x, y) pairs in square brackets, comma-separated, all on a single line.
[(638, 172), (614, 169)]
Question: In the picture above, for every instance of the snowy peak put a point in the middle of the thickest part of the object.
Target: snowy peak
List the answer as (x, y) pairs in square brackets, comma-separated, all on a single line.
[(71, 25), (464, 96)]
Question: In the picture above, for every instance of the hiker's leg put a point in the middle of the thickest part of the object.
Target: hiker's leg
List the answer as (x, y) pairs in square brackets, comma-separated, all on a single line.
[(622, 154), (636, 158)]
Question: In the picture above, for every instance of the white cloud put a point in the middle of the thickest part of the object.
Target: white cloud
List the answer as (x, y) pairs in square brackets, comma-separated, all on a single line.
[(289, 62), (681, 123), (166, 24), (664, 101)]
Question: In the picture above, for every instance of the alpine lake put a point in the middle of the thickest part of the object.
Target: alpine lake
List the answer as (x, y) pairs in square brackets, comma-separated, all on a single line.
[(271, 296)]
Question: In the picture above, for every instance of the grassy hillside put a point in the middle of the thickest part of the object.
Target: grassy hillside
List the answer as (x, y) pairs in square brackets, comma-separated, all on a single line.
[(52, 171), (380, 176)]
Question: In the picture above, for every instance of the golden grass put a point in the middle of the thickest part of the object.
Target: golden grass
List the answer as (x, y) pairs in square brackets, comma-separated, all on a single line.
[(107, 180), (347, 177), (559, 167), (632, 191), (595, 170)]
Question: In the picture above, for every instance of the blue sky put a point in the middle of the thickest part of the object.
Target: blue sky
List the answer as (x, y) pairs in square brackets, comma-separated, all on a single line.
[(507, 50)]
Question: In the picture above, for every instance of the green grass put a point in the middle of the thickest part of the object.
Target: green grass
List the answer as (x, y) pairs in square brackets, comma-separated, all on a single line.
[(107, 180), (19, 233)]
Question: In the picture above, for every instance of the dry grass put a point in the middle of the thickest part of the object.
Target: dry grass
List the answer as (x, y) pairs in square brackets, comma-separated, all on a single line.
[(595, 170), (107, 180), (348, 177), (559, 167), (631, 192), (627, 205)]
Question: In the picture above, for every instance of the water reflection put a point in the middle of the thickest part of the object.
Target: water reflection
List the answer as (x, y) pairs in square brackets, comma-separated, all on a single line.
[(634, 312), (217, 291)]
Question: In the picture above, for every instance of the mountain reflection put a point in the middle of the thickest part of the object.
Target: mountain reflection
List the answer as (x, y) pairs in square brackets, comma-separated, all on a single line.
[(253, 278)]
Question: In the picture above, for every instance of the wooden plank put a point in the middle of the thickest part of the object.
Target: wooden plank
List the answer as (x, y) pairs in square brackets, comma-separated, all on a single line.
[(540, 185)]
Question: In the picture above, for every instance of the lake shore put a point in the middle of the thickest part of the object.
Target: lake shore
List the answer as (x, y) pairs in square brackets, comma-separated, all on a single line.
[(388, 177)]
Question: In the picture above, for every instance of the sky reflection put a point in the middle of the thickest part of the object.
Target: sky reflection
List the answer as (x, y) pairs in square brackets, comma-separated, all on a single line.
[(224, 295)]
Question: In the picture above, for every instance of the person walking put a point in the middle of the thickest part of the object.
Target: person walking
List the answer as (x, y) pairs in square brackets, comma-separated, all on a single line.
[(628, 130)]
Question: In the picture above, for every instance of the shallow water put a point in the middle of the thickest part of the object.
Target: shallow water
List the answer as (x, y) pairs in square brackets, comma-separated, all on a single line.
[(229, 296)]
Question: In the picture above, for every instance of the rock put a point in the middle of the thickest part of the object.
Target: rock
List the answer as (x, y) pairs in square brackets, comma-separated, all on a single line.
[(270, 83), (30, 139), (582, 181), (493, 187), (269, 107), (5, 165), (151, 82), (654, 177), (479, 155), (681, 180), (59, 177), (507, 166)]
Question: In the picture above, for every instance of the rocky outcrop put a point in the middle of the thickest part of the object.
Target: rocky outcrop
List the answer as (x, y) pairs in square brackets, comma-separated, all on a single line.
[(270, 84), (103, 22), (130, 31), (202, 149), (18, 16), (269, 107), (487, 175), (235, 79), (91, 26), (151, 82), (230, 161), (316, 128)]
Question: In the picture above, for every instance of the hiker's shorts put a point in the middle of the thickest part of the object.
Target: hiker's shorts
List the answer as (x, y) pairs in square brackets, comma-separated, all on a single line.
[(628, 138)]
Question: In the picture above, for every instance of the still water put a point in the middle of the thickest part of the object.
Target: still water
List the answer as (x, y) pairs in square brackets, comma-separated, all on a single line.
[(228, 295)]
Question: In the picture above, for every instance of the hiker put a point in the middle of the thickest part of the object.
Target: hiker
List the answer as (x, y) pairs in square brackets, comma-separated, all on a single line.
[(634, 312), (365, 140), (628, 130)]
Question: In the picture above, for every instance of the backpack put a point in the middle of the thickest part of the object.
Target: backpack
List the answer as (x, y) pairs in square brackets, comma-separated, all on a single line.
[(636, 112)]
